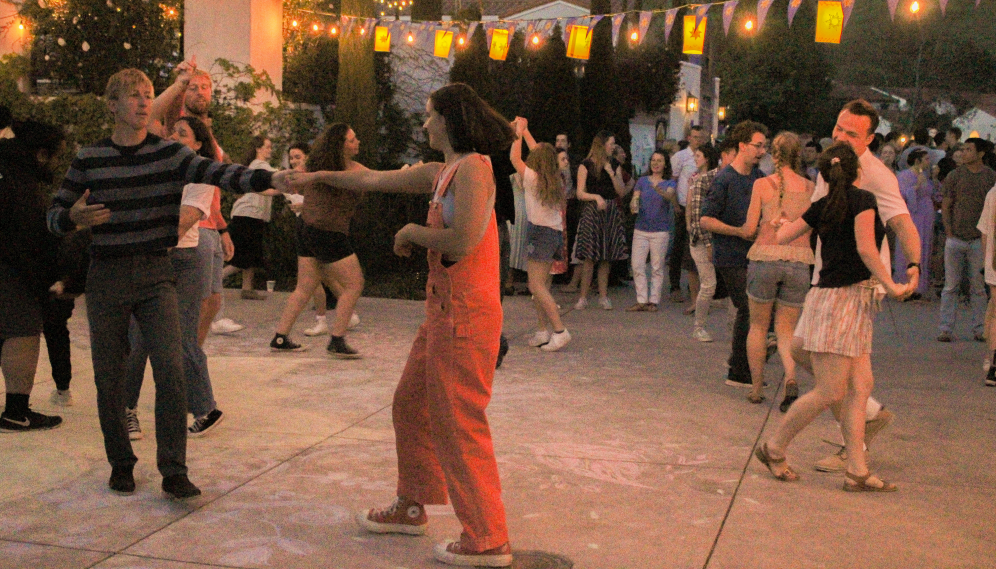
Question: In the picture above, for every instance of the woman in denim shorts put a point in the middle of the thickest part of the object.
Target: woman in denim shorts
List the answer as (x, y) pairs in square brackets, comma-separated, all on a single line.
[(777, 272)]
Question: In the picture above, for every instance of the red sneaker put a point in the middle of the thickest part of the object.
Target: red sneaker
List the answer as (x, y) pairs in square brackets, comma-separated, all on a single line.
[(453, 553), (403, 516)]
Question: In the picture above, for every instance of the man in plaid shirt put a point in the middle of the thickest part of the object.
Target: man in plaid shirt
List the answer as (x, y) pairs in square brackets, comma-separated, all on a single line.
[(701, 240)]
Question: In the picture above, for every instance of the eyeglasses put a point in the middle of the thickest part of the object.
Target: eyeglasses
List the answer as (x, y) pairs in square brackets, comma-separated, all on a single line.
[(759, 145)]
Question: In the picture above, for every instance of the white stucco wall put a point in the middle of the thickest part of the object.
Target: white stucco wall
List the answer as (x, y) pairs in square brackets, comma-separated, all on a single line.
[(241, 31)]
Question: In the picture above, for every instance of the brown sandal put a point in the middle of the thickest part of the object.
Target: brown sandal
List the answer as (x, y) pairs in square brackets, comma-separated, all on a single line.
[(761, 453), (861, 484)]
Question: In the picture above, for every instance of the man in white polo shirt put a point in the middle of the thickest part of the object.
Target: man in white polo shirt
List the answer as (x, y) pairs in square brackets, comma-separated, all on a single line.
[(856, 126)]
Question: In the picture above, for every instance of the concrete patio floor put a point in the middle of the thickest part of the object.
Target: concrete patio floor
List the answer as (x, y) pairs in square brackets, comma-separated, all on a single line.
[(625, 450)]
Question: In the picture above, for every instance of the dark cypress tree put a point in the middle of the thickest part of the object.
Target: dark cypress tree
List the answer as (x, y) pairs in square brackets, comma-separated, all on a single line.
[(555, 100)]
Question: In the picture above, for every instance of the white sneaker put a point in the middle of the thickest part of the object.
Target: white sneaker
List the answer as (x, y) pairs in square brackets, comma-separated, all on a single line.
[(354, 321), (540, 338), (557, 340), (605, 303), (131, 420), (320, 327), (61, 398), (702, 335), (225, 326), (581, 304)]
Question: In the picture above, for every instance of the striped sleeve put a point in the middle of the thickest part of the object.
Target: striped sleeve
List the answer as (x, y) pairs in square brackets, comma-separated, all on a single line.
[(72, 188), (231, 177)]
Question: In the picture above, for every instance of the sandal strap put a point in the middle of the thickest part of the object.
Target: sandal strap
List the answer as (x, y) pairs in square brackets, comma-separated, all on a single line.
[(859, 479), (771, 459)]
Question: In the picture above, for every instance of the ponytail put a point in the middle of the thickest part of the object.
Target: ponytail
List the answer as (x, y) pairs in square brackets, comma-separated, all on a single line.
[(839, 167)]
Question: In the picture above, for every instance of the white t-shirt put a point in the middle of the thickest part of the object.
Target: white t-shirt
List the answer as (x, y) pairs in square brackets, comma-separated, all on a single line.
[(987, 225), (878, 179), (252, 204), (536, 212), (199, 196), (295, 199), (682, 170)]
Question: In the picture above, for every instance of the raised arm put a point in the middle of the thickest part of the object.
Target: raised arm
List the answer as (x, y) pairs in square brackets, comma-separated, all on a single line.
[(166, 107), (474, 198), (515, 153), (415, 180)]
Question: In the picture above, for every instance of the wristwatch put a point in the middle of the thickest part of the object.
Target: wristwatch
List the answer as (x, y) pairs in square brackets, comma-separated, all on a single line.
[(911, 265)]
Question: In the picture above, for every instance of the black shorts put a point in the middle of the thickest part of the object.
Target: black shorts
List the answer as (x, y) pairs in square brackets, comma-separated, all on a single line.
[(247, 236), (20, 310), (326, 246)]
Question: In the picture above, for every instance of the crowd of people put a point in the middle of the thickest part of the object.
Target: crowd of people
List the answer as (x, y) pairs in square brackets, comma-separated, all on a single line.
[(792, 231)]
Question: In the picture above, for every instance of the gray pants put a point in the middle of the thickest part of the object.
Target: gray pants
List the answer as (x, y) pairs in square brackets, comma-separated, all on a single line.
[(142, 286), (190, 279)]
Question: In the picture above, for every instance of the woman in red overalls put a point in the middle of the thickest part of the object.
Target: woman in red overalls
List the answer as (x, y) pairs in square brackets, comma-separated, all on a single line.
[(443, 438)]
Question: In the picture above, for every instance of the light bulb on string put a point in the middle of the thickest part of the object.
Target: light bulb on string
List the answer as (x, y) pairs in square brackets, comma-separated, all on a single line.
[(536, 39), (314, 27), (293, 23), (411, 38), (334, 30), (461, 41), (634, 37), (915, 7), (749, 26)]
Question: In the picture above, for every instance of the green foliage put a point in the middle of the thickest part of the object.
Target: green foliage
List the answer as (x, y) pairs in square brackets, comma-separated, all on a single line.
[(80, 43), (778, 77), (602, 105), (554, 92), (311, 72)]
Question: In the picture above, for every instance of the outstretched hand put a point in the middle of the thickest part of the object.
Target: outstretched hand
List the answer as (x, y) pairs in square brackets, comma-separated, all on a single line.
[(402, 243), (298, 180), (85, 215), (281, 180)]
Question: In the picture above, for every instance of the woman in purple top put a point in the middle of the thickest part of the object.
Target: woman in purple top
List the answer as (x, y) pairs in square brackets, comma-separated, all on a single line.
[(653, 201), (919, 191)]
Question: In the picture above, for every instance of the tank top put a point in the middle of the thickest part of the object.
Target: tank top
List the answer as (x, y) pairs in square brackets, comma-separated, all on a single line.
[(599, 182)]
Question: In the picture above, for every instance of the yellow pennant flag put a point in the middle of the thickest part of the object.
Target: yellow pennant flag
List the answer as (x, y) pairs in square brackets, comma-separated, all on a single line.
[(499, 44), (579, 44), (444, 41), (382, 39), (694, 36), (829, 21)]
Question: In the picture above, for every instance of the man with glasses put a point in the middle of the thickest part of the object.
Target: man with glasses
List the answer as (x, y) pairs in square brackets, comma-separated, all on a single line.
[(724, 213)]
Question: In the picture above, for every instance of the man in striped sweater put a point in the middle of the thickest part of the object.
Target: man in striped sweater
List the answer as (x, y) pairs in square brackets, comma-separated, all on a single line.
[(128, 189)]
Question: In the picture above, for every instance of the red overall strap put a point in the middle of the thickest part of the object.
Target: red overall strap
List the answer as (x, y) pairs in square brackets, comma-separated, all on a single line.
[(442, 185)]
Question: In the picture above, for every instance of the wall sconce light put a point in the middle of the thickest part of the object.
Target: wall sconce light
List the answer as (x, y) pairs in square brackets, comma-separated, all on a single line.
[(691, 104), (721, 113)]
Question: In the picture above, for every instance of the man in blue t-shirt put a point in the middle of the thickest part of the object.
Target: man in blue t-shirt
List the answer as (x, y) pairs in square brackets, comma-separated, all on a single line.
[(724, 213)]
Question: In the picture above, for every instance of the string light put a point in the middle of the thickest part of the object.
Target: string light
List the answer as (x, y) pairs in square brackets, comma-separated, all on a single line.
[(334, 30), (635, 36), (314, 27), (293, 23), (363, 31), (536, 39), (411, 38), (915, 7), (749, 26), (461, 41)]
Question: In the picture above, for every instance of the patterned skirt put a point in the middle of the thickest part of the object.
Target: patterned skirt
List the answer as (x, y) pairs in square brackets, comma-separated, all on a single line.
[(839, 320), (601, 234)]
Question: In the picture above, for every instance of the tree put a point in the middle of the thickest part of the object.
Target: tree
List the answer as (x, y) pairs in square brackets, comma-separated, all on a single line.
[(554, 92), (81, 43), (311, 72), (357, 86), (779, 77), (601, 103)]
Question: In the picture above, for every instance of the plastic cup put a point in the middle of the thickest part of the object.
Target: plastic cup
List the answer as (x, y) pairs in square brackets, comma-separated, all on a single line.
[(270, 285)]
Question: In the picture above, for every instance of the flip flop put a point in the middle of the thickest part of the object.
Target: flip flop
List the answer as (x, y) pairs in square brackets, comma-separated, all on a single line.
[(762, 455), (861, 484)]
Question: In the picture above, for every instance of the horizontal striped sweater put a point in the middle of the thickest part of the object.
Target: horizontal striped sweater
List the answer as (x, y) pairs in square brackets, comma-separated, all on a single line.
[(142, 185)]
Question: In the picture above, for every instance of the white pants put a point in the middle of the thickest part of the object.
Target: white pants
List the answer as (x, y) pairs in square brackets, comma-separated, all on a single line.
[(655, 243), (702, 256)]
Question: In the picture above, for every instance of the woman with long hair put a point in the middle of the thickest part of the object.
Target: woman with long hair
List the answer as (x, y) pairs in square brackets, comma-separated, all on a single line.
[(777, 273), (326, 249), (545, 202), (836, 321), (653, 202), (441, 430), (699, 240), (601, 236), (250, 214)]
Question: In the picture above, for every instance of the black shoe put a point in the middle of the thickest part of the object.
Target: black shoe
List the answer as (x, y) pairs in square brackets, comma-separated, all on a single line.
[(991, 377), (502, 350), (281, 343), (179, 487), (202, 425), (791, 394), (31, 421), (340, 349), (122, 480)]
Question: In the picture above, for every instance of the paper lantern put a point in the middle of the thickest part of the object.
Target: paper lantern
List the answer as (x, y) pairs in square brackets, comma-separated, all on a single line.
[(382, 38), (499, 44), (829, 21), (444, 41), (579, 44), (694, 36), (691, 104)]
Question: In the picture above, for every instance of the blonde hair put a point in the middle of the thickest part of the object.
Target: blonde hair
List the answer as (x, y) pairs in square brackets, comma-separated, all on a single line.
[(786, 150), (597, 154), (549, 185), (123, 81)]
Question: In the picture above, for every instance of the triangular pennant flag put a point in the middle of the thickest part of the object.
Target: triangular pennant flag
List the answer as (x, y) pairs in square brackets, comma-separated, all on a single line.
[(471, 29), (530, 27), (566, 31), (728, 9), (644, 24), (944, 6), (546, 28), (617, 21), (700, 14), (593, 22), (511, 31), (489, 28), (368, 27), (762, 11), (846, 6), (793, 8), (669, 17), (892, 8)]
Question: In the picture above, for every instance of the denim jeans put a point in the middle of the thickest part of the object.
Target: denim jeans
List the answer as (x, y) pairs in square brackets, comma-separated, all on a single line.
[(190, 278), (702, 255), (653, 243), (735, 279), (142, 286), (960, 256)]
